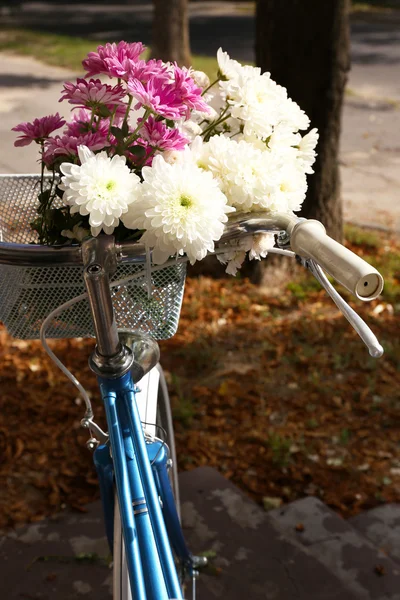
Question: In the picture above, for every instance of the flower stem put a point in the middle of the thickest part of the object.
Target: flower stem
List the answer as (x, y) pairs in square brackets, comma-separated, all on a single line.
[(146, 158), (41, 167), (210, 86), (128, 108), (223, 117), (143, 120), (111, 122), (91, 118)]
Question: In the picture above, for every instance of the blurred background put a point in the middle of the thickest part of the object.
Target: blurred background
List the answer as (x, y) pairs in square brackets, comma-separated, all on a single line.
[(268, 382)]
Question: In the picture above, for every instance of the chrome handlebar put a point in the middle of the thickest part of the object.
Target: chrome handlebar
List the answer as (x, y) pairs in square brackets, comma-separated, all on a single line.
[(339, 262), (31, 255)]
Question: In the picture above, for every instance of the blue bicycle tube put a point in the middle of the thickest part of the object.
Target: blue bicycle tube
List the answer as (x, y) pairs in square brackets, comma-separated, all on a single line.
[(122, 414), (105, 472), (124, 499), (157, 519), (153, 572), (158, 454)]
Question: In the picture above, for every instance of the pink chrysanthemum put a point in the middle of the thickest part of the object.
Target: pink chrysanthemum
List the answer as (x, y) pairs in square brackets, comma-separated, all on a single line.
[(39, 130), (159, 136), (67, 145), (93, 94), (172, 93), (113, 60), (189, 92), (157, 96), (80, 123), (145, 70)]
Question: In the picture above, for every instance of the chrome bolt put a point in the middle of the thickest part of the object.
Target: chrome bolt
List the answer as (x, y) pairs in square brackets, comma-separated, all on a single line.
[(94, 269), (92, 444), (199, 561), (283, 238)]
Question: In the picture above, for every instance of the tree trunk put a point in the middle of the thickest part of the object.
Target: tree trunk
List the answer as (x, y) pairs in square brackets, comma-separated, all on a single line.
[(305, 45), (171, 31)]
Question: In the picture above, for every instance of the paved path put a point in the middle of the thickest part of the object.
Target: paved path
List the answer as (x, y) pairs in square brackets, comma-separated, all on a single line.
[(370, 148), (252, 553)]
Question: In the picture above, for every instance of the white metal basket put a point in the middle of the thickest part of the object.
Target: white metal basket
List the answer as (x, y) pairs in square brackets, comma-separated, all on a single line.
[(29, 294)]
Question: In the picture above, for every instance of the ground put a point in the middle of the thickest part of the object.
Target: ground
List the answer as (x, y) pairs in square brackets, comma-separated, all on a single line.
[(369, 156), (273, 389)]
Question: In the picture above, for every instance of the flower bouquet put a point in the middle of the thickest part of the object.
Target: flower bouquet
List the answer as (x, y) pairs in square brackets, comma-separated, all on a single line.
[(162, 156)]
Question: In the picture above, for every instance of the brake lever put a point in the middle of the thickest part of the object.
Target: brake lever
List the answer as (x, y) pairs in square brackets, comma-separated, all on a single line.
[(365, 333)]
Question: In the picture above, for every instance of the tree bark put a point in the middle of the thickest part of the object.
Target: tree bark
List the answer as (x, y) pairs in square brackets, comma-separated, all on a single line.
[(171, 31), (305, 44)]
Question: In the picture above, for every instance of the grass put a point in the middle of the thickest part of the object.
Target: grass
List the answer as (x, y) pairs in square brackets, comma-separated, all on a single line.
[(67, 51), (362, 237), (375, 5), (376, 249), (60, 50), (366, 6), (248, 9), (182, 404), (208, 64), (280, 447), (362, 97)]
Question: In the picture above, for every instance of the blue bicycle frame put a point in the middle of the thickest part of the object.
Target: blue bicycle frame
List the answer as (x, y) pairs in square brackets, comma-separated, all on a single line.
[(138, 470), (125, 462)]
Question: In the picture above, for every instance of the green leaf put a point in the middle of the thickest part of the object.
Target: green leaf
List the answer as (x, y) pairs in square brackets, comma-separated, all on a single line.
[(103, 111), (117, 133), (44, 197), (138, 151), (125, 129), (60, 193)]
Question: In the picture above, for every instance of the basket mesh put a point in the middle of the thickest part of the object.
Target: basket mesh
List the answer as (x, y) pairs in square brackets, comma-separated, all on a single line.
[(29, 294)]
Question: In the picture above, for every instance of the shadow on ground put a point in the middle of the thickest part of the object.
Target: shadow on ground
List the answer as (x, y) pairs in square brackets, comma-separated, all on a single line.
[(375, 37), (16, 81)]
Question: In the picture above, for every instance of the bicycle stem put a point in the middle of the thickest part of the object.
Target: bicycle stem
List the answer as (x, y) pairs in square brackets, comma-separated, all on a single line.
[(110, 358)]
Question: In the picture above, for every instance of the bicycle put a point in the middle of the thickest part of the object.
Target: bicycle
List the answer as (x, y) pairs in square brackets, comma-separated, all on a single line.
[(112, 291)]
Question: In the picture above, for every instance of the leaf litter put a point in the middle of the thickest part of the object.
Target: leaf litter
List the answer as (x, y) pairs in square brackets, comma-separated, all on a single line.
[(275, 391)]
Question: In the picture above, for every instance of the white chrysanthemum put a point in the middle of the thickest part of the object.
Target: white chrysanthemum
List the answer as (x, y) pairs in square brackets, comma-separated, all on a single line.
[(246, 174), (261, 244), (257, 246), (189, 129), (195, 153), (233, 259), (283, 138), (255, 100), (227, 66), (76, 233), (231, 69), (181, 208), (292, 188), (100, 187), (293, 115), (201, 79), (306, 150)]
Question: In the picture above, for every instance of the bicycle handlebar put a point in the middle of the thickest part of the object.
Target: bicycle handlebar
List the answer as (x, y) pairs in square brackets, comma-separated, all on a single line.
[(35, 255), (308, 239)]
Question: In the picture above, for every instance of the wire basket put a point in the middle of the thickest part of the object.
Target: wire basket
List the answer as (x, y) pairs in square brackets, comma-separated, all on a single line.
[(29, 294)]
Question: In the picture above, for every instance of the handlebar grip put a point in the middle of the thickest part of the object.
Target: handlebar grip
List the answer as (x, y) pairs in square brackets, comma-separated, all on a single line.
[(309, 240)]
